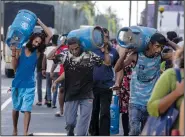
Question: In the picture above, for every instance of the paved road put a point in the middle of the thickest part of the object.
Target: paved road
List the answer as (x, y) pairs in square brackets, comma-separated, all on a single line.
[(43, 121)]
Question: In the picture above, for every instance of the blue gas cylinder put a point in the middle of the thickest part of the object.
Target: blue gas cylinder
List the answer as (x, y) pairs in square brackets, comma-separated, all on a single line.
[(115, 114), (90, 38), (21, 28), (137, 37)]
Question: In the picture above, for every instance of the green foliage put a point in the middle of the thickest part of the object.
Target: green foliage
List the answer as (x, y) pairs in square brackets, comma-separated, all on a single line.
[(108, 20), (88, 8), (112, 21)]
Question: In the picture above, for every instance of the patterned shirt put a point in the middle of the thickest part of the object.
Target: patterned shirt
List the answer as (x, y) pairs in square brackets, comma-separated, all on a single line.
[(78, 74), (143, 79)]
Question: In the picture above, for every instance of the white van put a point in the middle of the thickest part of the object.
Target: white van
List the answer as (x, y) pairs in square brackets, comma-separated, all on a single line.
[(7, 53)]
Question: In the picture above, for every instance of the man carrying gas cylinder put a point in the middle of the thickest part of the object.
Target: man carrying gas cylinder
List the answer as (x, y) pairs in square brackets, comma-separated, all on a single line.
[(144, 76), (24, 62), (104, 78), (78, 65)]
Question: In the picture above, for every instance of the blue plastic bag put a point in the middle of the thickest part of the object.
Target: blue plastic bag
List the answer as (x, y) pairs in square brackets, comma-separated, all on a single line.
[(161, 126)]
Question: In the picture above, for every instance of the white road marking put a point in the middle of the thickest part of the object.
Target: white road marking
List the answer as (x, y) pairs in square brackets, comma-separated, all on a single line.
[(5, 104), (49, 134)]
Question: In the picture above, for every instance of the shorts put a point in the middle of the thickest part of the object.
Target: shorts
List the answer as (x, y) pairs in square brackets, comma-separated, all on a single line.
[(23, 98), (61, 84)]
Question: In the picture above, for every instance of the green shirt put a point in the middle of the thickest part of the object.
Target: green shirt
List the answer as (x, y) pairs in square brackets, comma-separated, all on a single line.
[(163, 66), (165, 84)]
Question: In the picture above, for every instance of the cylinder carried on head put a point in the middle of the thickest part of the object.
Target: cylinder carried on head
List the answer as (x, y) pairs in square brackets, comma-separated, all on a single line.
[(21, 28), (90, 37), (137, 37)]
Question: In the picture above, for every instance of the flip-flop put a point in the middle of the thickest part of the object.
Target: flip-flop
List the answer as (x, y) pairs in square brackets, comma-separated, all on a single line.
[(59, 114), (39, 104), (31, 134), (9, 90), (54, 107)]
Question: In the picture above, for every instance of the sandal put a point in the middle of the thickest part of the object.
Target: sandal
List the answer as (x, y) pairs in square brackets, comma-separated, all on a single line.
[(54, 107), (39, 103), (58, 114), (9, 90), (31, 134)]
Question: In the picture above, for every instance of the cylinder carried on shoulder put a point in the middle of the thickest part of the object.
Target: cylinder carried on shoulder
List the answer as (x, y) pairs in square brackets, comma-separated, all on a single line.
[(137, 37), (114, 114), (21, 28), (90, 37)]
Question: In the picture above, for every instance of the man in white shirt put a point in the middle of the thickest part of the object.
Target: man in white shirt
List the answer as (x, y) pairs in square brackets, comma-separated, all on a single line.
[(46, 72)]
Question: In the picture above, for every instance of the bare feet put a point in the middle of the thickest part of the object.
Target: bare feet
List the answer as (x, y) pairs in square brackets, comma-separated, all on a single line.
[(14, 133)]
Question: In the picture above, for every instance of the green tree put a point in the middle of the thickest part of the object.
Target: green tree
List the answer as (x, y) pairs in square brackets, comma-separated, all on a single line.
[(88, 8), (112, 21)]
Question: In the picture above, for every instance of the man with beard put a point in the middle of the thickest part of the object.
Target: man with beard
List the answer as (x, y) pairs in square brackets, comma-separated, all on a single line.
[(24, 62), (144, 76)]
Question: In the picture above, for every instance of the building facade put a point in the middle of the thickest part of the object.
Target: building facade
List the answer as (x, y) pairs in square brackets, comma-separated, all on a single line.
[(172, 17)]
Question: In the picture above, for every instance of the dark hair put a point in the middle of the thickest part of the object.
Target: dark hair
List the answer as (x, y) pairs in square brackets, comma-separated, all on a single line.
[(105, 31), (157, 37), (55, 39), (177, 40), (35, 35), (171, 35), (167, 50), (73, 40), (43, 33), (42, 46), (114, 41)]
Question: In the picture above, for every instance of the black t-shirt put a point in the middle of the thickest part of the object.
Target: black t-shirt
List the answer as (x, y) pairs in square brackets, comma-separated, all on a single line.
[(39, 62), (78, 74)]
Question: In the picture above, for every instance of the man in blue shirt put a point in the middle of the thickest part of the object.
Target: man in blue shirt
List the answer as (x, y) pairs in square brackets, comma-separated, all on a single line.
[(24, 62), (103, 77)]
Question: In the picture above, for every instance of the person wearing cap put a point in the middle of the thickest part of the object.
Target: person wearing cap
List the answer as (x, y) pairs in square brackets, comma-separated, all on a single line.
[(144, 76), (78, 65)]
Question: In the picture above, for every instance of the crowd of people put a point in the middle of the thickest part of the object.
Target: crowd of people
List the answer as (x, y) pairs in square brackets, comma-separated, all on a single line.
[(87, 79)]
